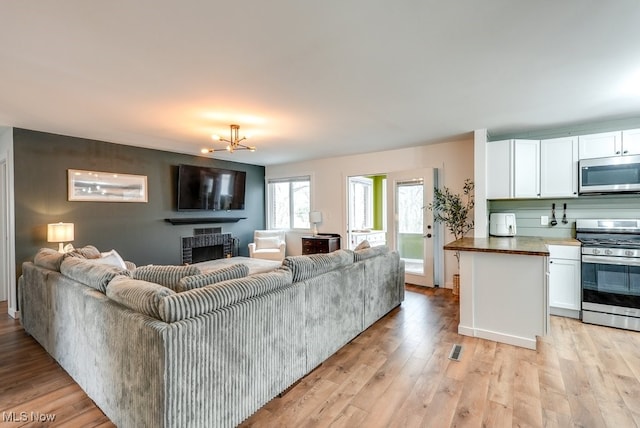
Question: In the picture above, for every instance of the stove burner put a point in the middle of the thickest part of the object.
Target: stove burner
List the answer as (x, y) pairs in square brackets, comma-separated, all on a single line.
[(621, 243), (608, 234)]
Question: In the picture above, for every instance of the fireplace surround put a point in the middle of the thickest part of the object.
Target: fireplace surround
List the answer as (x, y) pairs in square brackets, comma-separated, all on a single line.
[(206, 244)]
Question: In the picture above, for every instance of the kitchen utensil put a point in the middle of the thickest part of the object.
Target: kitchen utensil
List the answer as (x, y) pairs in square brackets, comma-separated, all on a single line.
[(564, 214), (553, 215)]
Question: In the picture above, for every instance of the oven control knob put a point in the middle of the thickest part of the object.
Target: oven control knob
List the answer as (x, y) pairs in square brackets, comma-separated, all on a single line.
[(608, 252), (629, 253), (596, 251)]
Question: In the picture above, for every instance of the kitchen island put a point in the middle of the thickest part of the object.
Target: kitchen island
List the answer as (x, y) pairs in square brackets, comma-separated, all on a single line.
[(503, 289)]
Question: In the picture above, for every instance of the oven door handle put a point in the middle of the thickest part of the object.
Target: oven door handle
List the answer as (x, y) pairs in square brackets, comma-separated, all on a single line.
[(605, 260)]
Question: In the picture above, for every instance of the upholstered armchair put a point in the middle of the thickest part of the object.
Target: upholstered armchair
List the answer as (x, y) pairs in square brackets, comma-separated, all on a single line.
[(268, 244)]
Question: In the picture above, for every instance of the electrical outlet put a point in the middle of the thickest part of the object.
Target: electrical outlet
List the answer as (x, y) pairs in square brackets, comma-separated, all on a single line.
[(544, 220)]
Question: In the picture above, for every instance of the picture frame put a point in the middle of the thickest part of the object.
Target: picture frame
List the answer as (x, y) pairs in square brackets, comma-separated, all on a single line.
[(100, 186)]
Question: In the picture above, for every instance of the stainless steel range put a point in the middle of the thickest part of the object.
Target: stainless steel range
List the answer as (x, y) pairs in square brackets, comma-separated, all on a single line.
[(610, 272)]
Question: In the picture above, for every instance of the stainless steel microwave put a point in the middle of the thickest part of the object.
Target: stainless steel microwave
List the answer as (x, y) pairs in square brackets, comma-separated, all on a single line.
[(609, 175)]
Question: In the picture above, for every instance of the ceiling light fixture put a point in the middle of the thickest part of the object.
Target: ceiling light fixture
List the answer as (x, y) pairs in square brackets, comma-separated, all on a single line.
[(234, 141)]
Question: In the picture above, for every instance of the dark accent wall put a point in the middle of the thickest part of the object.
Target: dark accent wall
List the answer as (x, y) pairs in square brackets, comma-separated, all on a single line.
[(137, 231)]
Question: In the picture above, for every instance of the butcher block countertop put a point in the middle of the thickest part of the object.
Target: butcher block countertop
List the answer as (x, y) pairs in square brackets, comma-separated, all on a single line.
[(524, 245)]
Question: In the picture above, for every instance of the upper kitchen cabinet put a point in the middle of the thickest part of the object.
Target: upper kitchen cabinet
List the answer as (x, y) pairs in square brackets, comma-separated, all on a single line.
[(631, 142), (606, 144), (526, 169), (513, 169), (499, 170), (559, 168)]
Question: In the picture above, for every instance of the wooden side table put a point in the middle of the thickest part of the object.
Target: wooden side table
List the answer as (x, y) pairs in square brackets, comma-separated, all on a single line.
[(321, 243)]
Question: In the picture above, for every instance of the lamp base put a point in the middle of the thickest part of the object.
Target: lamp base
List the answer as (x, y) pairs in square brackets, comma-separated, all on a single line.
[(61, 247), (315, 229)]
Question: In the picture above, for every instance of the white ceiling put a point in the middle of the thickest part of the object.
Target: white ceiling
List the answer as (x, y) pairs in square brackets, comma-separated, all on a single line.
[(311, 79)]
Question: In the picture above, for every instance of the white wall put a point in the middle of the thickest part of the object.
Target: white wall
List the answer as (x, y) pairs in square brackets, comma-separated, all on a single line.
[(329, 180), (480, 163), (8, 278)]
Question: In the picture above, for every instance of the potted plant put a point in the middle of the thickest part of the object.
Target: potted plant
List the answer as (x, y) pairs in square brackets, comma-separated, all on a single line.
[(453, 210)]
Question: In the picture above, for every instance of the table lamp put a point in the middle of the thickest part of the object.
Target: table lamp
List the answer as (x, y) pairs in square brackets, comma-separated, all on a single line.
[(61, 233), (315, 217)]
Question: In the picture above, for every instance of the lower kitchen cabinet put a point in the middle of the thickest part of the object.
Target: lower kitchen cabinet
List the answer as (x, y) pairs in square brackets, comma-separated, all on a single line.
[(564, 280)]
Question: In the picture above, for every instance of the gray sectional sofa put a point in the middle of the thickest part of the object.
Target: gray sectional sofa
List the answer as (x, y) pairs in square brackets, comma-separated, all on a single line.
[(170, 346)]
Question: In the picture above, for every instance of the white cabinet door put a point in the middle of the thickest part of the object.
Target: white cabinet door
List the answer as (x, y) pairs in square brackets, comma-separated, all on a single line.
[(564, 284), (564, 280), (559, 168), (499, 170), (526, 168), (600, 145), (631, 142)]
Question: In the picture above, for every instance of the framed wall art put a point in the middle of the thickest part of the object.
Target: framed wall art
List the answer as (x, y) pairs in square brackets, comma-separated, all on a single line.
[(106, 186)]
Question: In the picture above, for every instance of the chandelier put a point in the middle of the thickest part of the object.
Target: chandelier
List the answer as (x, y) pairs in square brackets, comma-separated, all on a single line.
[(234, 141)]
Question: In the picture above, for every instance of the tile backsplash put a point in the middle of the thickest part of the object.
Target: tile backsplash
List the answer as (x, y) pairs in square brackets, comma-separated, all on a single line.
[(529, 211)]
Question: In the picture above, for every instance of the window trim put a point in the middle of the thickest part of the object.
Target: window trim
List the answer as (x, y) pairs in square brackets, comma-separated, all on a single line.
[(292, 179)]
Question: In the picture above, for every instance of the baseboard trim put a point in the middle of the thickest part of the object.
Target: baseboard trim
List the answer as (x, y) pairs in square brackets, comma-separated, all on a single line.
[(522, 342)]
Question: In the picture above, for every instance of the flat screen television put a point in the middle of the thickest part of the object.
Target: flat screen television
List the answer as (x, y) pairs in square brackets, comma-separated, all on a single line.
[(210, 189)]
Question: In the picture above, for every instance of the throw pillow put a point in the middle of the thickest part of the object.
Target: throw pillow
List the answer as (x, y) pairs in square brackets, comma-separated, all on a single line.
[(110, 258), (368, 253), (361, 246), (270, 243)]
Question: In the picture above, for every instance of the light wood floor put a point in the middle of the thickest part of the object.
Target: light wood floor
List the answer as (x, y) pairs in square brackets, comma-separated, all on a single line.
[(397, 373)]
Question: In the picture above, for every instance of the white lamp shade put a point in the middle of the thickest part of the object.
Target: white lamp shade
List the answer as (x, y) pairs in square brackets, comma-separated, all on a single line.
[(60, 232), (315, 217)]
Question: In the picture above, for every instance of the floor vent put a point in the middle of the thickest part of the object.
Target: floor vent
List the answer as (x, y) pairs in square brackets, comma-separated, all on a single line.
[(455, 353)]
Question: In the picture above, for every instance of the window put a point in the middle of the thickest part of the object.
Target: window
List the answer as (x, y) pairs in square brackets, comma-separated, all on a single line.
[(289, 203), (410, 207)]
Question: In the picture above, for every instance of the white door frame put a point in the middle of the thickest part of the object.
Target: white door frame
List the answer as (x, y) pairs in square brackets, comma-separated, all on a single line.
[(8, 278), (4, 235), (432, 246), (352, 227)]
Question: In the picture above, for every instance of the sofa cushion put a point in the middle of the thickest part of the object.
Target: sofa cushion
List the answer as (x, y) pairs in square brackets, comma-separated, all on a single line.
[(94, 275), (219, 275), (305, 267), (141, 296), (367, 253), (48, 259), (168, 275), (269, 243), (206, 299)]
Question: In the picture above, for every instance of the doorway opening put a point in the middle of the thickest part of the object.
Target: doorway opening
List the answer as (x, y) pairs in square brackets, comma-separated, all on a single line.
[(392, 209), (367, 216)]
